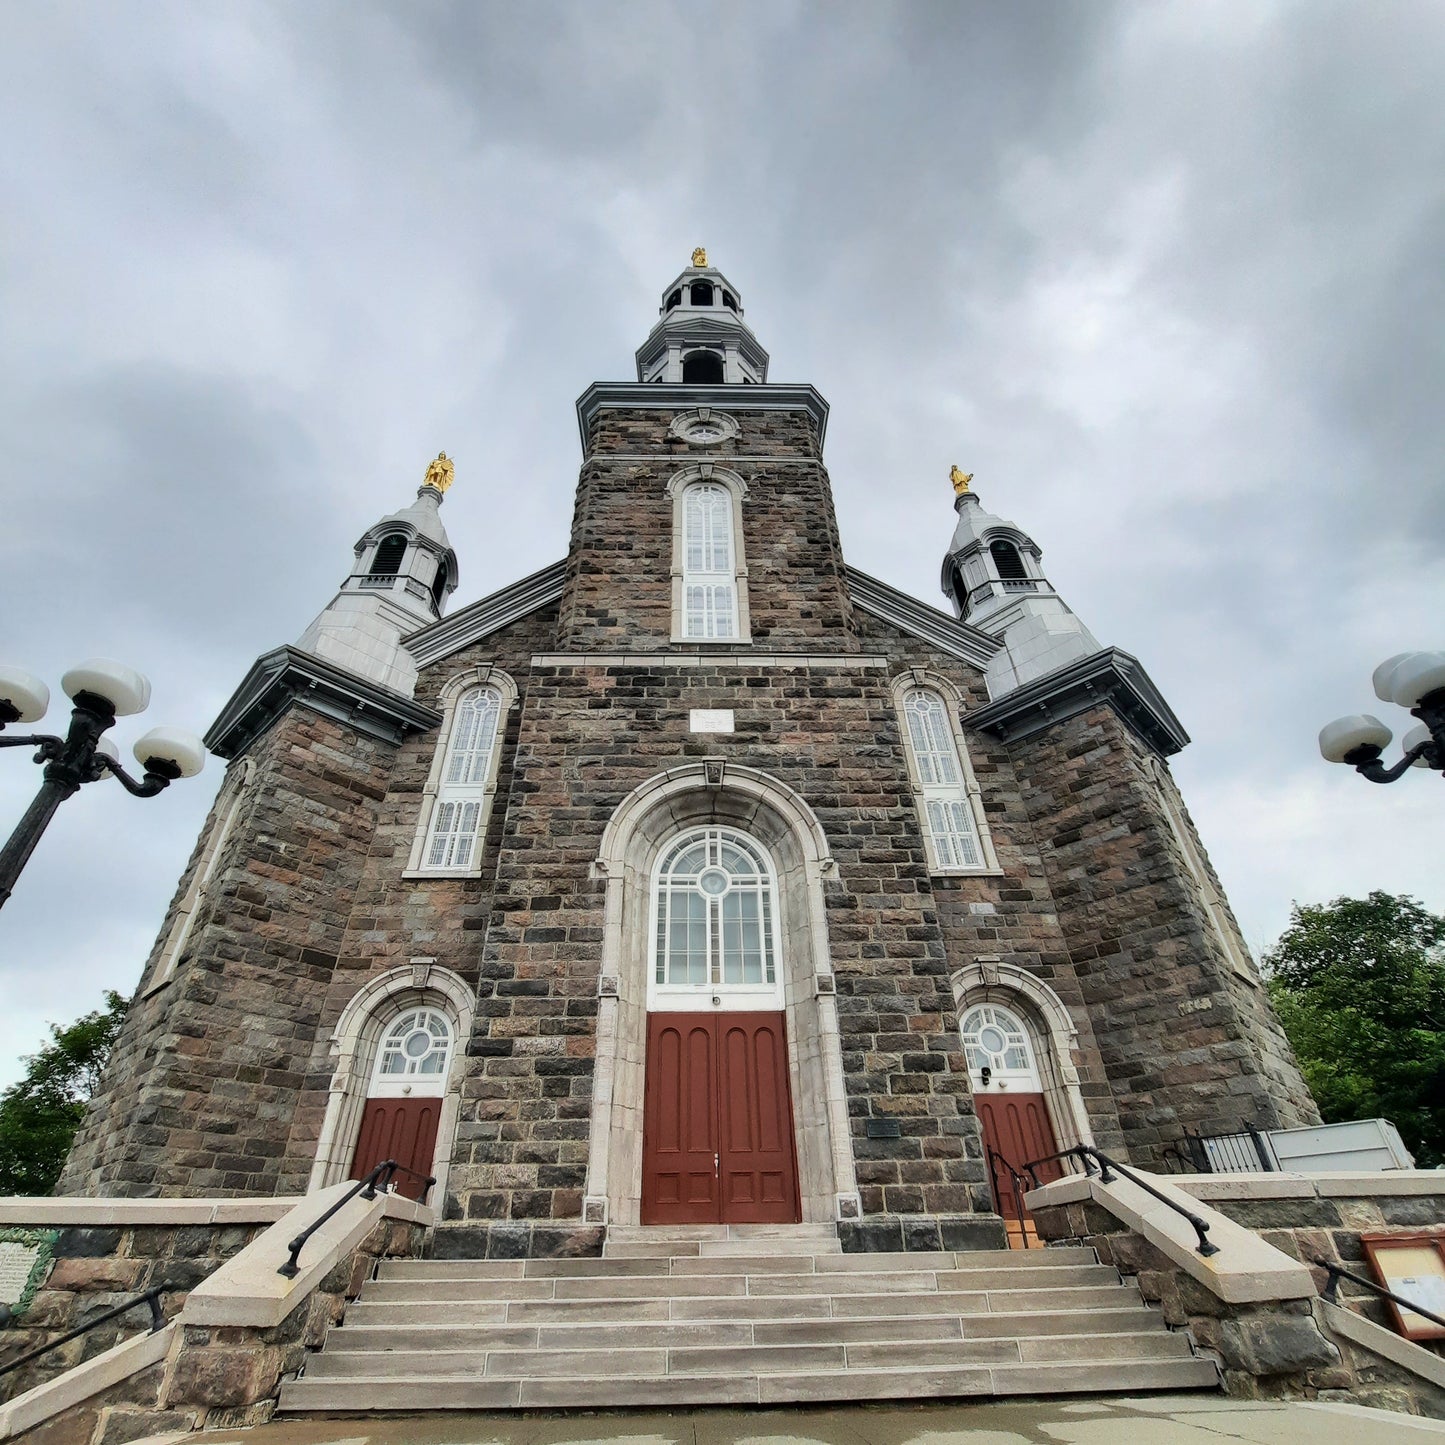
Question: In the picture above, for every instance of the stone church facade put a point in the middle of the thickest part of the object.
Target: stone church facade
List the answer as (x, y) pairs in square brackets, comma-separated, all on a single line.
[(697, 877)]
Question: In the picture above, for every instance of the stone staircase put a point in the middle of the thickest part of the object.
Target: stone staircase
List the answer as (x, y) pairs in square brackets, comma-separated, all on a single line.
[(740, 1315)]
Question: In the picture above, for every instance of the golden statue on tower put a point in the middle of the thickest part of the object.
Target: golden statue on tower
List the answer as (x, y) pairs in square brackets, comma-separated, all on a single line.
[(960, 481), (440, 474), (699, 257)]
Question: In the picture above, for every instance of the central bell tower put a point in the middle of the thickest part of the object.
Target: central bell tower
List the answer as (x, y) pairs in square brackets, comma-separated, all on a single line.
[(701, 337)]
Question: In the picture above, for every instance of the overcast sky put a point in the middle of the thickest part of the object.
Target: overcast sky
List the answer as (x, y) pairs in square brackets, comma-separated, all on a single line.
[(1166, 277)]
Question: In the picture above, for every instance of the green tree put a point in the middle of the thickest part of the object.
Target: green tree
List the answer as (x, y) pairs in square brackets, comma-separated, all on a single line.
[(1359, 985), (40, 1114)]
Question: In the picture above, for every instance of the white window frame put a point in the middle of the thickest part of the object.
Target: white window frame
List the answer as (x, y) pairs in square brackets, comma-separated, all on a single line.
[(736, 574), (714, 993), (407, 1083), (438, 791), (1215, 907), (965, 792), (227, 809)]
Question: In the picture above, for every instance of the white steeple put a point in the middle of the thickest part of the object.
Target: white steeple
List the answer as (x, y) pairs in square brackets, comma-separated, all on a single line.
[(994, 577), (701, 336), (405, 570)]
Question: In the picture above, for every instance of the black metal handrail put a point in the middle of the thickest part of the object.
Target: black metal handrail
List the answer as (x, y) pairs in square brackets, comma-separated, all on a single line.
[(1336, 1274), (997, 1161), (427, 1180), (1085, 1152), (364, 1187), (152, 1297)]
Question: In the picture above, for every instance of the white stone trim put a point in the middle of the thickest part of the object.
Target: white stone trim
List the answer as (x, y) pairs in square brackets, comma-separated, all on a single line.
[(953, 702), (723, 656), (485, 675), (686, 423), (1055, 1036), (227, 808), (698, 792), (114, 1211), (353, 1047), (84, 1381), (737, 489)]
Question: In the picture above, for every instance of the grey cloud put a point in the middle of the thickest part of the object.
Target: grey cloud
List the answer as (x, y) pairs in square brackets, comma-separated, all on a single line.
[(1167, 277)]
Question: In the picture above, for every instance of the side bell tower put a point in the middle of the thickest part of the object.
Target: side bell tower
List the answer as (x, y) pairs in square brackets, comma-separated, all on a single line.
[(994, 577), (404, 572)]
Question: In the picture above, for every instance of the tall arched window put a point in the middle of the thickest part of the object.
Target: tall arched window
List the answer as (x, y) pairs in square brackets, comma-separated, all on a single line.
[(947, 794), (389, 554), (1007, 560), (715, 926), (708, 576), (467, 777)]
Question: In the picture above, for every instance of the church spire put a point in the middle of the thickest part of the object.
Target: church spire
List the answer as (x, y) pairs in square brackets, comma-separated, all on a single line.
[(403, 573), (701, 337), (993, 575)]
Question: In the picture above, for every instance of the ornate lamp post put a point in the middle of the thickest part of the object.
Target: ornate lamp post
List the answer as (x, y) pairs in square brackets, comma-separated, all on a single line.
[(101, 691), (1415, 680)]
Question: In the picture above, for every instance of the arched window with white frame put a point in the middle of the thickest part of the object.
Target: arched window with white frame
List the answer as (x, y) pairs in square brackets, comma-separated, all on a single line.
[(709, 592), (949, 800), (457, 800), (714, 922)]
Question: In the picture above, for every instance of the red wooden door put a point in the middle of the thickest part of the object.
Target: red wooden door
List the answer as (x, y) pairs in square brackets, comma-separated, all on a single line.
[(400, 1129), (1016, 1128), (755, 1121), (679, 1121), (717, 1131)]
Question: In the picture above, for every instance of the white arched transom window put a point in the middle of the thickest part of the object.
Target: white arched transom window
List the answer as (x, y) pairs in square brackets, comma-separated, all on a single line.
[(714, 922), (994, 1038), (948, 811), (709, 591), (454, 838), (414, 1054)]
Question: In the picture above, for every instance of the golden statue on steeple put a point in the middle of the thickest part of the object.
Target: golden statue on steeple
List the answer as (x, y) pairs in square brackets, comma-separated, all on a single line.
[(440, 474), (699, 256), (960, 481)]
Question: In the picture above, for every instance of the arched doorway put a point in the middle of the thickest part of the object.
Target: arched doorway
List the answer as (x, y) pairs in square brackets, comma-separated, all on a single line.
[(402, 1114), (717, 1135), (1009, 1097), (368, 1047), (646, 830)]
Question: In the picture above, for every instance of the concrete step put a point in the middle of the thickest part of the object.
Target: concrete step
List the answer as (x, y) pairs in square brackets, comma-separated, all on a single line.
[(778, 1319), (709, 1356), (422, 1393), (996, 1263)]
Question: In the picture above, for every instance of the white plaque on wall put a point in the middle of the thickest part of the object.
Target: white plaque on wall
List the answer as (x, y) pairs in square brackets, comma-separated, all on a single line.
[(16, 1262), (710, 720)]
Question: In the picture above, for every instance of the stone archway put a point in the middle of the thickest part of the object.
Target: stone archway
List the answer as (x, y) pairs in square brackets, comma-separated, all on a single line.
[(353, 1047), (709, 791), (1054, 1036)]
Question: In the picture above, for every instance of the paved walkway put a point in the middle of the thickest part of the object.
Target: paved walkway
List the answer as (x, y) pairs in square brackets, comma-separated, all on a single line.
[(1150, 1420)]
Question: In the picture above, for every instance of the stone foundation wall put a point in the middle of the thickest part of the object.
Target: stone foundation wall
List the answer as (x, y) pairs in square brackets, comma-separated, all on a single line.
[(94, 1268), (1280, 1349)]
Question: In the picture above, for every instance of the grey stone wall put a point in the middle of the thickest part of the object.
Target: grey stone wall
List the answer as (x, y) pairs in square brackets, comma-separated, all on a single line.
[(1185, 1040)]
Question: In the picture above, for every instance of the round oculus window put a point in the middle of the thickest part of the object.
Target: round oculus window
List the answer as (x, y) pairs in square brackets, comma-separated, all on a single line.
[(713, 882), (418, 1042), (992, 1039), (704, 430)]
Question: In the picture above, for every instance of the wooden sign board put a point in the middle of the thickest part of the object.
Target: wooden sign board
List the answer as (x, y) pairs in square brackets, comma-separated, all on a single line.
[(1413, 1267)]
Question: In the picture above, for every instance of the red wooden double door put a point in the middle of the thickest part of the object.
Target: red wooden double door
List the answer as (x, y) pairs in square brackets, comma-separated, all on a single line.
[(717, 1131)]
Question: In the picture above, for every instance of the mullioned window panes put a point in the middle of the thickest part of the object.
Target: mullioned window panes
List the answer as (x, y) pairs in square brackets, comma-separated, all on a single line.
[(715, 906), (947, 808), (461, 794), (709, 592)]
